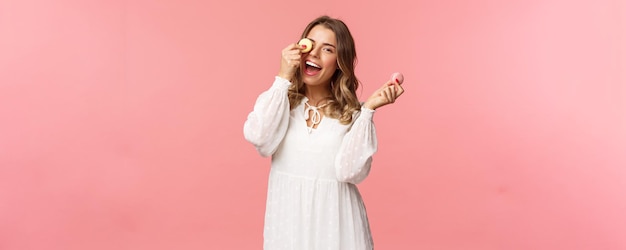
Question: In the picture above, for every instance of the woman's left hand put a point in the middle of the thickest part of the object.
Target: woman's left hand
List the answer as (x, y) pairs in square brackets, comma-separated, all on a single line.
[(387, 94)]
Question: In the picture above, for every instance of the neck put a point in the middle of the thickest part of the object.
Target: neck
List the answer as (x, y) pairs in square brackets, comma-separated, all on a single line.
[(316, 94)]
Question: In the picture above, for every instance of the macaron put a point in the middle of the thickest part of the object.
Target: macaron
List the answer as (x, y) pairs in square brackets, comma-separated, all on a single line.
[(397, 77), (307, 45)]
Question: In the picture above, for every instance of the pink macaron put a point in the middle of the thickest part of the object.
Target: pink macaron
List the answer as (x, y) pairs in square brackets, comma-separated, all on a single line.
[(397, 77)]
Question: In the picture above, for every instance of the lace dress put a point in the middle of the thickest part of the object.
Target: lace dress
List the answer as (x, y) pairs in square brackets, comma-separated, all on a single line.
[(312, 199)]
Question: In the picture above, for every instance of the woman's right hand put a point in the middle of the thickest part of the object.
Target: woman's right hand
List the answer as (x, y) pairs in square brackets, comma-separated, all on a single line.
[(290, 61)]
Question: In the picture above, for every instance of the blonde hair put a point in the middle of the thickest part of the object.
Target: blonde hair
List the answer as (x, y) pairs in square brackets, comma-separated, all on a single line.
[(343, 102)]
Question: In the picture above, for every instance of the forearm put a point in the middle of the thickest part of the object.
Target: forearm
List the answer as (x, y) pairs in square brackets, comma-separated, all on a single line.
[(267, 123), (354, 159)]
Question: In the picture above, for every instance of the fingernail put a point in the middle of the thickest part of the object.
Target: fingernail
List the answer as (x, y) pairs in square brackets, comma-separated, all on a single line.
[(304, 46), (397, 81)]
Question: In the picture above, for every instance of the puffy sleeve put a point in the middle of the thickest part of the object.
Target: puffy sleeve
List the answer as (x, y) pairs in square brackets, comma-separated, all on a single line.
[(267, 123), (354, 159)]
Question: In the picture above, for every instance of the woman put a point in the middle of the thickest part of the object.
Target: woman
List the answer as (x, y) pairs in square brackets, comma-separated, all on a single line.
[(321, 140)]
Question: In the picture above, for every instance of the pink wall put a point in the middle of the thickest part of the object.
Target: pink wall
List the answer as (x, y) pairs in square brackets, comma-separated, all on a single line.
[(122, 122)]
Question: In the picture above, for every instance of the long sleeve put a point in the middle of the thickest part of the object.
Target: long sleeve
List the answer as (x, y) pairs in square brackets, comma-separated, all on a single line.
[(267, 123), (354, 159)]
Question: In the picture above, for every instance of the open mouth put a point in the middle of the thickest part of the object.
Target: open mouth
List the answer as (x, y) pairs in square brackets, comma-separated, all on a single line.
[(311, 68)]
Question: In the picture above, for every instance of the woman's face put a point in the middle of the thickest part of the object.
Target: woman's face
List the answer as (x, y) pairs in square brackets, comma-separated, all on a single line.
[(320, 63)]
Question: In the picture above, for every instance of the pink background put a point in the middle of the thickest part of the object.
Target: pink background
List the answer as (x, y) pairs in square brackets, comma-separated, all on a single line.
[(122, 121)]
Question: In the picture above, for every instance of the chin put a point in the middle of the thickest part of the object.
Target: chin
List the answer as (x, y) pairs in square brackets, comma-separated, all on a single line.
[(314, 81)]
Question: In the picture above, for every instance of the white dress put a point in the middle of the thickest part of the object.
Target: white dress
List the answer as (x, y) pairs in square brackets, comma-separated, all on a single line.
[(312, 201)]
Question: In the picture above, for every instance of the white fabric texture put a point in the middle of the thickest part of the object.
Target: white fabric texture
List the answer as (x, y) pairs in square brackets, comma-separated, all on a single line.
[(312, 201)]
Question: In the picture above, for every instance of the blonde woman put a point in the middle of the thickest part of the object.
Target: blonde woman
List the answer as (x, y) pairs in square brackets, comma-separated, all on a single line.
[(321, 139)]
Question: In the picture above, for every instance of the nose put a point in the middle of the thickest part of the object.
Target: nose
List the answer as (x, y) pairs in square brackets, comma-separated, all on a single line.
[(315, 51)]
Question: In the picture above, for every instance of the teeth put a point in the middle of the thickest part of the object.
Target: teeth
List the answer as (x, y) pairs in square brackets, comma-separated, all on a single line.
[(313, 64)]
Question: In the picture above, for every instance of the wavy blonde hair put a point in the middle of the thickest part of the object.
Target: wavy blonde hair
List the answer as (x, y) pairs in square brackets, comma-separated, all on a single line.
[(343, 102)]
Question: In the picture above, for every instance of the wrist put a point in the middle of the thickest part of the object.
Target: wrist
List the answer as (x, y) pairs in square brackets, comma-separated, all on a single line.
[(281, 83), (368, 105), (282, 77), (285, 75)]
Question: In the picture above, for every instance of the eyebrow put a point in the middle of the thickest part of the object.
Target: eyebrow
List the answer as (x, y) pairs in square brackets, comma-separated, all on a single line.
[(323, 43)]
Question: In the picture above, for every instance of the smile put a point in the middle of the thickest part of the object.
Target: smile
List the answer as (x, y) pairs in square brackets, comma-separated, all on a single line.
[(311, 68)]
